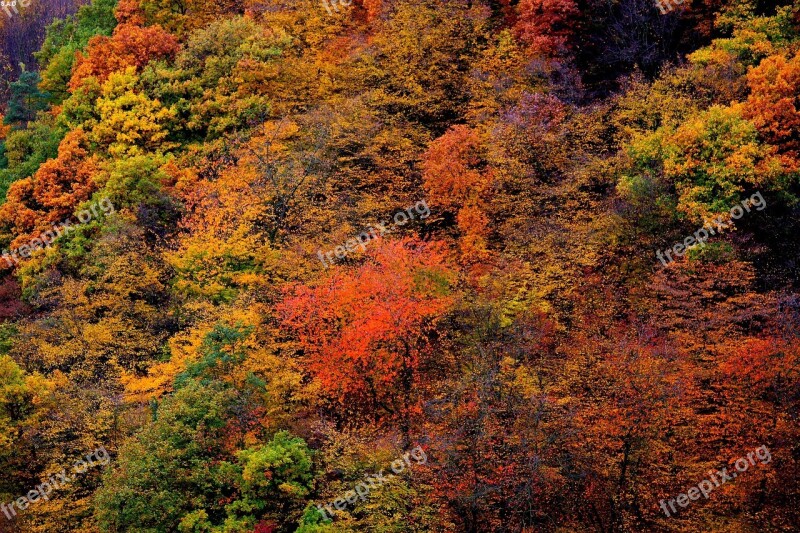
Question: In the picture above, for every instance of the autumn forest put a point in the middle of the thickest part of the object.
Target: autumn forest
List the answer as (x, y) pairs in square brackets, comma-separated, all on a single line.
[(326, 266)]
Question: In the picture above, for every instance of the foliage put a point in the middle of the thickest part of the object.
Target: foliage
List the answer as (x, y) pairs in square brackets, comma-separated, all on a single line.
[(365, 333), (26, 99), (344, 237), (65, 37), (175, 471)]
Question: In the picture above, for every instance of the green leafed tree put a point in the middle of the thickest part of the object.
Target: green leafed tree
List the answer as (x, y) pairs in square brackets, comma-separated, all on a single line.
[(180, 473), (26, 99)]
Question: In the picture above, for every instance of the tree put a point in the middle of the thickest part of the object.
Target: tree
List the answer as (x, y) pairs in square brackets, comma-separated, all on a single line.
[(23, 399), (34, 204), (129, 46), (183, 16), (712, 160), (130, 123), (499, 429), (458, 177), (179, 473), (366, 331), (419, 66), (26, 99), (66, 36), (180, 453), (773, 103), (546, 26), (26, 150)]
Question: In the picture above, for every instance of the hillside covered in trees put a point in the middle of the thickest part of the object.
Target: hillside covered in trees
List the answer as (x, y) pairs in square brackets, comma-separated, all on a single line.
[(324, 266)]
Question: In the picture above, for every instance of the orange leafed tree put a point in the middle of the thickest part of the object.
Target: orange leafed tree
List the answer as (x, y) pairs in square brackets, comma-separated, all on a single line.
[(761, 376), (773, 103), (458, 178), (130, 45), (4, 129), (50, 195), (365, 331)]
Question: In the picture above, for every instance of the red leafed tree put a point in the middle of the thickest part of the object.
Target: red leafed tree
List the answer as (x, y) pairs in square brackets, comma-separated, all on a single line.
[(546, 25), (64, 182), (453, 167), (130, 45), (365, 331), (265, 527), (11, 306)]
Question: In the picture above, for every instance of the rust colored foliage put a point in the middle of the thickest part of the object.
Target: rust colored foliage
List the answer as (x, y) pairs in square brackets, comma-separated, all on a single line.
[(546, 26), (767, 367), (454, 169)]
